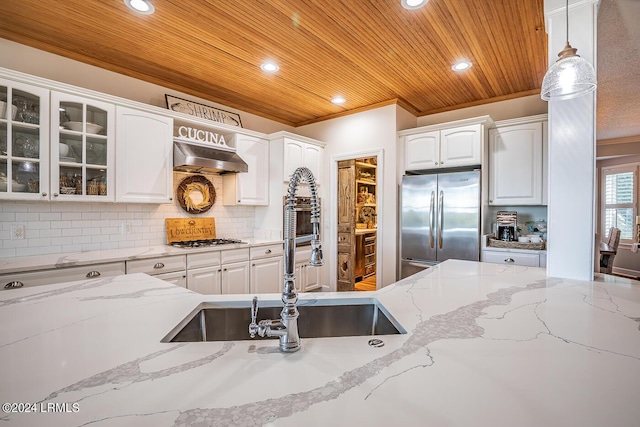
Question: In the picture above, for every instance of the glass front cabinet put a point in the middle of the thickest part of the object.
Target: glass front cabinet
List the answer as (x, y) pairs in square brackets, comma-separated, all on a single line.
[(24, 141), (82, 149)]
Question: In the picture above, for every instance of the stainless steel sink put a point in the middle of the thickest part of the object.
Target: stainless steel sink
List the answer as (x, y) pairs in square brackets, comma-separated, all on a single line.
[(229, 321)]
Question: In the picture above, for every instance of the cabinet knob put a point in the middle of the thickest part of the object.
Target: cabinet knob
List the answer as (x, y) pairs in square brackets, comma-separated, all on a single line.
[(253, 265), (55, 194), (436, 163), (159, 265), (93, 274), (268, 251), (170, 198), (225, 269), (14, 284), (509, 260), (44, 194), (238, 201), (441, 163), (490, 201)]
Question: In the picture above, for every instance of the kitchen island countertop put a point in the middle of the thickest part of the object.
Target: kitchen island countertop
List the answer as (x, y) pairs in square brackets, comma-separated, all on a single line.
[(486, 344)]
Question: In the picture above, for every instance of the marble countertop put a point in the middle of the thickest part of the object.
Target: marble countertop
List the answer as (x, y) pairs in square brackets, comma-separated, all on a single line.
[(71, 259), (487, 344)]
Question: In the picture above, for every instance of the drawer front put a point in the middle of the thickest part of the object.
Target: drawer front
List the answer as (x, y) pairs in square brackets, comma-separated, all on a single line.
[(61, 275), (234, 255), (178, 278), (511, 258), (157, 265), (259, 252), (203, 259)]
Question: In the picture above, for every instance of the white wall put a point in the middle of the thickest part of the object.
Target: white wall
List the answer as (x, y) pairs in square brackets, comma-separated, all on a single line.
[(350, 136)]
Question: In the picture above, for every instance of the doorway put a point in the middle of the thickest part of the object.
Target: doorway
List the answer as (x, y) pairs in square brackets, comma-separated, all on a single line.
[(357, 223)]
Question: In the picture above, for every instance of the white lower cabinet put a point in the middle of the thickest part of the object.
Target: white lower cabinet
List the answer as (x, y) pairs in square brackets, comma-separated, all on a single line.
[(267, 269), (307, 277), (157, 265), (61, 275), (179, 278), (223, 272), (512, 258), (235, 278)]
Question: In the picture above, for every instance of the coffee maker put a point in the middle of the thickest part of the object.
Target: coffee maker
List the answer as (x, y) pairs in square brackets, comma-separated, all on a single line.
[(507, 222)]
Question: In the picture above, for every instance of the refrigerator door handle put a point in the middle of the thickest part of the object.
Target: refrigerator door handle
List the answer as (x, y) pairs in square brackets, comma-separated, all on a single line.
[(440, 213), (432, 218)]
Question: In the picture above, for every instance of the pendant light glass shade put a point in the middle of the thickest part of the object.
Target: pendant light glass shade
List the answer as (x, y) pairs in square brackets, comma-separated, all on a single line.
[(570, 76)]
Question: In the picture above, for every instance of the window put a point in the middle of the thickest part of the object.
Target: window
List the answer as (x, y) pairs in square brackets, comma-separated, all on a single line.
[(619, 200)]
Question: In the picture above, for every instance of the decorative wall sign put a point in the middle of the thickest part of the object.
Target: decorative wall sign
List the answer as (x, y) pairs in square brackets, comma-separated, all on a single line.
[(203, 111), (202, 136)]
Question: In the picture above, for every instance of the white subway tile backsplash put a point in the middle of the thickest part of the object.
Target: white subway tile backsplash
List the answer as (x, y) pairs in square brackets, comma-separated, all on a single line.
[(60, 227), (7, 253), (50, 216), (68, 232)]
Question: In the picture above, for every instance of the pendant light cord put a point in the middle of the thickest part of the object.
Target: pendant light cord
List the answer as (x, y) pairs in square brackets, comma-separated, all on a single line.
[(566, 12)]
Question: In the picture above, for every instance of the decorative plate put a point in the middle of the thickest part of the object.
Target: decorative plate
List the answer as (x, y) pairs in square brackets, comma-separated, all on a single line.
[(366, 214), (196, 194)]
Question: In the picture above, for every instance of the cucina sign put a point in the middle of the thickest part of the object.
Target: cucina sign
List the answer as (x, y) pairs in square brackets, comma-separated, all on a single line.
[(200, 135)]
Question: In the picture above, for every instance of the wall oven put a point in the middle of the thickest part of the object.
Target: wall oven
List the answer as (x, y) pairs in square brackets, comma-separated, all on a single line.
[(302, 207)]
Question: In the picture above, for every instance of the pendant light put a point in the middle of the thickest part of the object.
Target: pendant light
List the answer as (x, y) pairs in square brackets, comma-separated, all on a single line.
[(570, 76)]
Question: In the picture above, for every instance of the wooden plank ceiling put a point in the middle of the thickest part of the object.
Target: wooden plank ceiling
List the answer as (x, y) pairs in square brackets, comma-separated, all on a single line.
[(369, 51)]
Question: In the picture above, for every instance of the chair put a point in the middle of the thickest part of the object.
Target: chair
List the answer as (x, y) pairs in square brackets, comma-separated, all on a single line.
[(606, 259)]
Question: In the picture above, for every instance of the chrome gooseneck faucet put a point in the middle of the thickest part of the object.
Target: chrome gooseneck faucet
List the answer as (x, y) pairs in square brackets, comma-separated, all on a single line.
[(286, 328)]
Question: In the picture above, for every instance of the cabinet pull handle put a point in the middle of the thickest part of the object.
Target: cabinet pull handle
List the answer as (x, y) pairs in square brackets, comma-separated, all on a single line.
[(159, 265), (13, 285), (268, 251), (509, 260), (93, 274)]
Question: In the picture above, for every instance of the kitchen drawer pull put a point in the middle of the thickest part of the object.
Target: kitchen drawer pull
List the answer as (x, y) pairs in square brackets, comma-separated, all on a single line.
[(509, 260), (93, 274), (159, 265), (13, 285), (268, 251)]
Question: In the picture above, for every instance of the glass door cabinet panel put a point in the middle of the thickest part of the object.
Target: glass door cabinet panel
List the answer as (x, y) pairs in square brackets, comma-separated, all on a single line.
[(24, 141), (82, 149)]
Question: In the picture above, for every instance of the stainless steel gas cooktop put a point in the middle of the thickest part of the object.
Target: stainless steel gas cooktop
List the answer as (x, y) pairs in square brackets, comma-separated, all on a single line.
[(206, 243)]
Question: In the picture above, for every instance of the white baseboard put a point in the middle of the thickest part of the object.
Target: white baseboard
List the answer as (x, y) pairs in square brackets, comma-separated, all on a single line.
[(626, 272)]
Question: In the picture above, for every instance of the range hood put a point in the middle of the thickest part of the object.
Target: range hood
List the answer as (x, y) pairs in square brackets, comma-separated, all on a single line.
[(203, 159)]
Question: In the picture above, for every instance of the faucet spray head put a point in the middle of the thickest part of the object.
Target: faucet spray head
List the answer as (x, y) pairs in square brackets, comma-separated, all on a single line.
[(316, 259)]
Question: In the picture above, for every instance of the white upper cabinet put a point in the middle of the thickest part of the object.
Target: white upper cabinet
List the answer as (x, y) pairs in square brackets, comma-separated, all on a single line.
[(461, 146), (297, 154), (446, 145), (422, 151), (24, 141), (516, 164), (82, 149), (252, 187), (144, 159)]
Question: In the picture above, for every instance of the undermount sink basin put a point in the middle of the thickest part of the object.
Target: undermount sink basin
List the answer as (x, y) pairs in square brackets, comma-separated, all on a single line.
[(229, 321)]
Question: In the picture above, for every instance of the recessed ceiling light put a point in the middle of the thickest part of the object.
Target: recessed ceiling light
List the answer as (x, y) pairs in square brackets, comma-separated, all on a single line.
[(140, 6), (338, 100), (461, 66), (269, 67), (413, 4)]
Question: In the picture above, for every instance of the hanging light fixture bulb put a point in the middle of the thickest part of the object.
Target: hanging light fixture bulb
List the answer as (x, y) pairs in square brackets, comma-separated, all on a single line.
[(570, 76)]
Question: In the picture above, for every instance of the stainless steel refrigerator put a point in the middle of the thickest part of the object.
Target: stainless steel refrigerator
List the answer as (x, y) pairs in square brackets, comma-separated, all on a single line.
[(440, 219)]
